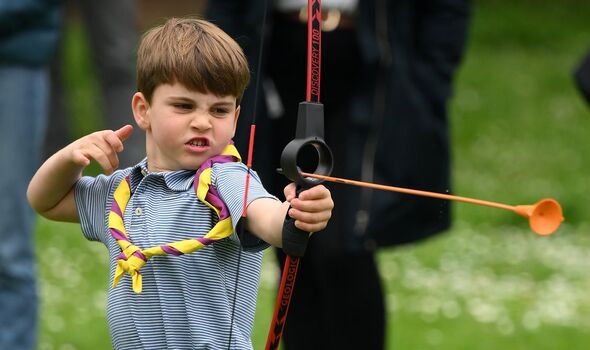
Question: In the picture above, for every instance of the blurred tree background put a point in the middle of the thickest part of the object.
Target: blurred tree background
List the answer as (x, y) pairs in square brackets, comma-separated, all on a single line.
[(520, 133)]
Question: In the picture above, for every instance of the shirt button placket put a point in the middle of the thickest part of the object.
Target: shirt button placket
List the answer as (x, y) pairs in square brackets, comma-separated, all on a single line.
[(139, 219)]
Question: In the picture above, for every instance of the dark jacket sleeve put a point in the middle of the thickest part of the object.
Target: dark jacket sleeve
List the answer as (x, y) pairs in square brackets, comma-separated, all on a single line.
[(411, 51), (29, 31)]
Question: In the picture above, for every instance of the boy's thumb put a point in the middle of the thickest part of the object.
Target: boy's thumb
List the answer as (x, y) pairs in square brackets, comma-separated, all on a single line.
[(124, 132)]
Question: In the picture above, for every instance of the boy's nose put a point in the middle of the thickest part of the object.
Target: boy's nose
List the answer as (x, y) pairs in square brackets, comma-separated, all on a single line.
[(200, 121)]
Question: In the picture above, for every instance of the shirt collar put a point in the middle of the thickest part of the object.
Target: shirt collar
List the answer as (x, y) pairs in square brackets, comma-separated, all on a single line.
[(180, 180)]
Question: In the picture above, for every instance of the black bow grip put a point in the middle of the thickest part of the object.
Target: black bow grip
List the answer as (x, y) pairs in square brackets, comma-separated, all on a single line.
[(310, 133)]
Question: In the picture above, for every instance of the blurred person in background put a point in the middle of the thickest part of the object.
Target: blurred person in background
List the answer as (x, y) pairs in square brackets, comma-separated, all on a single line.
[(29, 31), (314, 316), (111, 27), (582, 76), (387, 73)]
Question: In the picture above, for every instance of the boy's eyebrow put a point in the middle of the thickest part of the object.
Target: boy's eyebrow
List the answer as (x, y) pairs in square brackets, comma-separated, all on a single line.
[(228, 104), (181, 98), (224, 103), (188, 99)]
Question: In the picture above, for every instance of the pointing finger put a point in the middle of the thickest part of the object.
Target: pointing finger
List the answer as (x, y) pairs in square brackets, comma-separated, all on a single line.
[(124, 132)]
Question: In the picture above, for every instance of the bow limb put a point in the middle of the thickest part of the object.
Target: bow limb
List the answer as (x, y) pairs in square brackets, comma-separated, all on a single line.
[(309, 132)]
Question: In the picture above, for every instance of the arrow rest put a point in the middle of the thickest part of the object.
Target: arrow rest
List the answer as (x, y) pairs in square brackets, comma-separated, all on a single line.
[(309, 134)]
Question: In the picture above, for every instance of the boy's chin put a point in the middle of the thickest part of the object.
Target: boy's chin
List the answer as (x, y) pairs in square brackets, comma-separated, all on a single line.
[(154, 166)]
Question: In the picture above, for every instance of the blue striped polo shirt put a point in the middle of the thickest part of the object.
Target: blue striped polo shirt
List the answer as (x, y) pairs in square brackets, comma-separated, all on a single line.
[(187, 301)]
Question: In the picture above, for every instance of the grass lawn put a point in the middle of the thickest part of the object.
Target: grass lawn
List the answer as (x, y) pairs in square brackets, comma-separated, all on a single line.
[(520, 133)]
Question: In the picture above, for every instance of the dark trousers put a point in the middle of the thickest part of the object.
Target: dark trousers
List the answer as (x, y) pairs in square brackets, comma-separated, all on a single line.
[(337, 302)]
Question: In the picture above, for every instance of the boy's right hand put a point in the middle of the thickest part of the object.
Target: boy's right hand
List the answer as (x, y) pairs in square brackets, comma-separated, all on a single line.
[(102, 146)]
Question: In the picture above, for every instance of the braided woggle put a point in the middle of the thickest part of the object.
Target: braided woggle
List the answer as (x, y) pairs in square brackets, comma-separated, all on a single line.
[(132, 258)]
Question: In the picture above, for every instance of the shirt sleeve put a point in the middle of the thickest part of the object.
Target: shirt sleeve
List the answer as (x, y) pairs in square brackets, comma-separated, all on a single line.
[(230, 181), (93, 197)]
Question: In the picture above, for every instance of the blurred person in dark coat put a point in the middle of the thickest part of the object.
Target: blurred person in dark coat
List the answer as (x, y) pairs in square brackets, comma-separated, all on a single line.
[(387, 74), (28, 36), (111, 27), (582, 76)]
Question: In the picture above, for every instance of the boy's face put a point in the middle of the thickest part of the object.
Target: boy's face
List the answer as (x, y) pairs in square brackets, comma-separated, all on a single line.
[(184, 127)]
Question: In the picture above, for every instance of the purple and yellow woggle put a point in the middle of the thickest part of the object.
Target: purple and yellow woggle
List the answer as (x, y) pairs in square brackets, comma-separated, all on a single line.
[(133, 258)]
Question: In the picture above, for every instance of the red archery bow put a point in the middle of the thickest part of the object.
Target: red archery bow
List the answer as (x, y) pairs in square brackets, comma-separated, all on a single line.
[(310, 130)]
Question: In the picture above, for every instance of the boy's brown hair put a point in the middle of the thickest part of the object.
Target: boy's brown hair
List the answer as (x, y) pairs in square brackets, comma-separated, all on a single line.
[(194, 53)]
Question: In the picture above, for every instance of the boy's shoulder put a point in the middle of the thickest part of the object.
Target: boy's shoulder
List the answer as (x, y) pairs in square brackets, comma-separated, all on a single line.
[(102, 182), (229, 170), (230, 166)]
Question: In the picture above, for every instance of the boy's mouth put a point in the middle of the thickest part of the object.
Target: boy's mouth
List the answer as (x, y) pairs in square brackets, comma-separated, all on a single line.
[(198, 142)]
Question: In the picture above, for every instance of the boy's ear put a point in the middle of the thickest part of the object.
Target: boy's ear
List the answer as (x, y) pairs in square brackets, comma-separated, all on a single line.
[(236, 116), (141, 108)]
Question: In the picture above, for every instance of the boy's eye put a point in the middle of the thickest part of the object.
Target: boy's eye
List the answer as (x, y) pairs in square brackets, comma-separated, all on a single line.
[(183, 106), (220, 110)]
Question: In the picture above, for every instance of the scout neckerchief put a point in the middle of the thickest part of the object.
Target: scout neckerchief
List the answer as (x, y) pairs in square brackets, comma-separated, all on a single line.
[(132, 258)]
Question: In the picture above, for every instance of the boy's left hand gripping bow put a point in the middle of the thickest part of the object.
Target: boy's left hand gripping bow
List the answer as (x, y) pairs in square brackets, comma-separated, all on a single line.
[(309, 136)]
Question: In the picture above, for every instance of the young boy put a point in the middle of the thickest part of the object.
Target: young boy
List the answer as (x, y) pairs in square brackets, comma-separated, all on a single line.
[(187, 194)]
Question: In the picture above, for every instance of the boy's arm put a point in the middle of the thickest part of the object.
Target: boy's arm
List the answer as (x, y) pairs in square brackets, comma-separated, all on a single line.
[(51, 191), (311, 211)]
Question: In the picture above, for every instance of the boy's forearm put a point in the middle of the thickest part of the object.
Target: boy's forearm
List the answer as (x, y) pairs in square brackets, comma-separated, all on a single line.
[(311, 211), (265, 219), (50, 191)]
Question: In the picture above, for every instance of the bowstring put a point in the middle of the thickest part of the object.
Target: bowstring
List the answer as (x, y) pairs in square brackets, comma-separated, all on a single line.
[(249, 166)]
